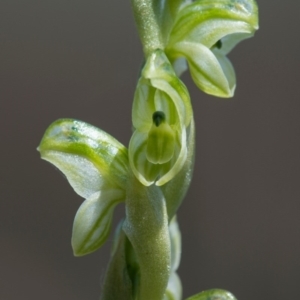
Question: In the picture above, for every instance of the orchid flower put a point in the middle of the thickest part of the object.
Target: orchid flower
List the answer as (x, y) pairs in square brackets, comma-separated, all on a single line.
[(203, 33), (161, 115)]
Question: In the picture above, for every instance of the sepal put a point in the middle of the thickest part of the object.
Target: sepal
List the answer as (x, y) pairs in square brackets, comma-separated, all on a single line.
[(174, 288), (88, 156), (93, 220)]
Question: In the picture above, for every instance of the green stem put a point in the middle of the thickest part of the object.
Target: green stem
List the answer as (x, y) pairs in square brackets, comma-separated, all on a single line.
[(147, 25), (146, 226)]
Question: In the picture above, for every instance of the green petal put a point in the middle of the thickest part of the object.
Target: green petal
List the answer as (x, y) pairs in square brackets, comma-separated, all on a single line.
[(88, 156), (214, 294), (162, 76), (227, 68), (143, 105), (174, 166), (175, 238), (207, 21), (164, 103), (206, 70), (145, 171), (174, 288), (175, 190), (160, 144), (93, 219)]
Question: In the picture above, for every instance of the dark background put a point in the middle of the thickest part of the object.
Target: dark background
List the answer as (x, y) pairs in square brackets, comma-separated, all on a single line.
[(241, 218)]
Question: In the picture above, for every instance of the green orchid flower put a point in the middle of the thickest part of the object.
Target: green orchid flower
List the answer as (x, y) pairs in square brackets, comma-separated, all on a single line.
[(161, 115), (96, 166), (203, 33)]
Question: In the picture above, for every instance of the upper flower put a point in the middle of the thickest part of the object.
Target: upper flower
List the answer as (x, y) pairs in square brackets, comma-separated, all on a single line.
[(204, 32), (161, 114)]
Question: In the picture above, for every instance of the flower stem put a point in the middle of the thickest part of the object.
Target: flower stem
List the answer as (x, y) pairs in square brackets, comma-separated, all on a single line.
[(147, 25)]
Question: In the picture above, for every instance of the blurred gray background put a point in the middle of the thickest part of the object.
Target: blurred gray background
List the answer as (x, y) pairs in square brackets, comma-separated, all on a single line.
[(241, 218)]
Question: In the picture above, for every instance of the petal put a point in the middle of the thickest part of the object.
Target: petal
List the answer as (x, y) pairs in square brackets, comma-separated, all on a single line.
[(175, 238), (173, 167), (227, 68), (180, 66), (145, 171), (143, 105), (206, 70), (174, 288), (207, 21), (175, 190), (89, 157), (161, 74), (93, 219), (231, 40), (164, 103), (213, 294)]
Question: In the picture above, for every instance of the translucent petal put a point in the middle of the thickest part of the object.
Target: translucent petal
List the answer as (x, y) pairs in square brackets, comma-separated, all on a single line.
[(175, 190), (180, 66), (180, 97), (143, 105), (145, 171), (175, 238), (82, 175), (161, 74), (231, 40), (177, 162), (174, 288), (206, 70), (164, 103), (227, 68), (88, 156), (93, 219)]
